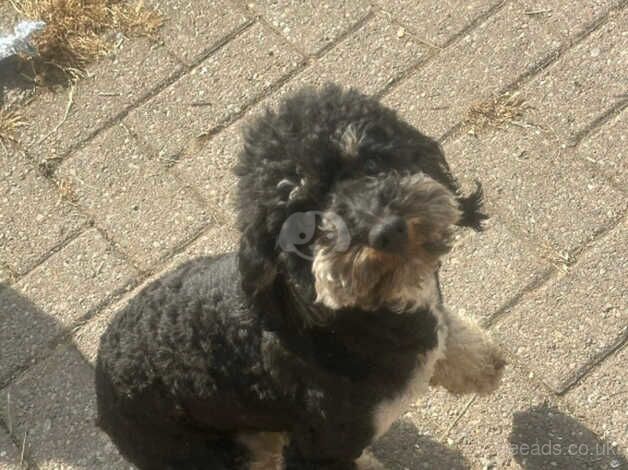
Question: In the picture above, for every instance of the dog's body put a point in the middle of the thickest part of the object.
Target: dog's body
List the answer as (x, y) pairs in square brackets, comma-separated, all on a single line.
[(267, 359)]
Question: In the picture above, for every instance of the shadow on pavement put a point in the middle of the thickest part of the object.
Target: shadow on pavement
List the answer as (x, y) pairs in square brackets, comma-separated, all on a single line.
[(15, 79), (543, 437), (49, 409), (26, 333), (404, 447)]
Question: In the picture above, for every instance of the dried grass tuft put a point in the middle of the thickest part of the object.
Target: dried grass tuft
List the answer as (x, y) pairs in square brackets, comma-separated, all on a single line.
[(497, 112), (10, 122), (80, 31)]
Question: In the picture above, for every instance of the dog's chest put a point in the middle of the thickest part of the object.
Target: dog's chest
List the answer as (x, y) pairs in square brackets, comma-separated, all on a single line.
[(389, 410)]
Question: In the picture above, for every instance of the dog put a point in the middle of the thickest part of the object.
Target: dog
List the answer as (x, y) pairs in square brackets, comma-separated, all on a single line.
[(302, 348)]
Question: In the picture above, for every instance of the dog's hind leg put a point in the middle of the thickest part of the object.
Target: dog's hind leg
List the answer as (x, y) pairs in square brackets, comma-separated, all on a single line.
[(472, 362)]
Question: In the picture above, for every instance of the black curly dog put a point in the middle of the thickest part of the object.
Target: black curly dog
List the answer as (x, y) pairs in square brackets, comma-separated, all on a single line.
[(301, 349)]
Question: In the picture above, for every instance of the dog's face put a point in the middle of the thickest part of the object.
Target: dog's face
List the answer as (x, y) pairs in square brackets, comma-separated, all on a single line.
[(379, 240)]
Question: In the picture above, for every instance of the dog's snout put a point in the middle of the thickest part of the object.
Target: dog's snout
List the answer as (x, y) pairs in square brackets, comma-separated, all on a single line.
[(390, 234)]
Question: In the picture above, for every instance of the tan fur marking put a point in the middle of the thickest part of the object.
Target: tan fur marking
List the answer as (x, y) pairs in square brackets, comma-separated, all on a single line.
[(266, 449)]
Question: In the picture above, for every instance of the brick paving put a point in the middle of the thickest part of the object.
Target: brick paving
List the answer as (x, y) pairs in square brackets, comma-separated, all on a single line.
[(137, 178)]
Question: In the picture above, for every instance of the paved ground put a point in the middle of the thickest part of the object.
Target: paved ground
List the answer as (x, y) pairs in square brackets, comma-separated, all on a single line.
[(125, 188)]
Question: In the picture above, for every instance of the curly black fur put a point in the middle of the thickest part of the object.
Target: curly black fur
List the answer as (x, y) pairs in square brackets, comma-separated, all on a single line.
[(230, 345)]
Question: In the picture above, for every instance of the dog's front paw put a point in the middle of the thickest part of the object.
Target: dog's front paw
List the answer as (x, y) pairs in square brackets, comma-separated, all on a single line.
[(471, 371), (489, 373)]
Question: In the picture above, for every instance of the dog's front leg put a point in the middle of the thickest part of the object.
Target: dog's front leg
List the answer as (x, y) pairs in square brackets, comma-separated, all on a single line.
[(472, 362)]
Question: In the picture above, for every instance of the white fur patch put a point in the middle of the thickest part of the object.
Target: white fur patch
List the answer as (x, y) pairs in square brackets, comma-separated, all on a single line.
[(388, 411), (351, 139)]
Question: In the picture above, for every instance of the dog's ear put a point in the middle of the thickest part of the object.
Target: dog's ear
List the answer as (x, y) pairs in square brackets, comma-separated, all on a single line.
[(428, 157), (471, 208)]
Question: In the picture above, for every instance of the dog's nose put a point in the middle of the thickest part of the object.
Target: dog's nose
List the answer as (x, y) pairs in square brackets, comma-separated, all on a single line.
[(390, 234)]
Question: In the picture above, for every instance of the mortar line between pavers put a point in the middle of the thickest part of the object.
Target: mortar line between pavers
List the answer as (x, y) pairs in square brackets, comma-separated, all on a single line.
[(345, 35), (544, 277), (148, 95), (527, 375), (438, 50), (91, 221), (598, 122), (52, 251), (304, 65), (168, 167), (578, 375), (222, 42), (475, 22), (126, 257), (332, 44), (593, 167), (196, 194), (249, 12), (210, 133), (535, 286), (531, 376), (550, 274), (541, 65)]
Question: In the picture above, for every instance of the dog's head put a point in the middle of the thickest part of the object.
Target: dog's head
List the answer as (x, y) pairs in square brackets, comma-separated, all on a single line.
[(344, 204), (380, 239)]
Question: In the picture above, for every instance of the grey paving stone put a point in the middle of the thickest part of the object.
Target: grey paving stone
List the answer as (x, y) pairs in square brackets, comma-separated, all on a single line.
[(218, 88), (486, 270), (368, 59), (407, 446), (55, 405), (193, 27), (51, 298), (550, 437), (433, 413), (33, 217), (26, 331), (522, 426), (481, 435), (534, 184), (490, 57), (587, 81), (141, 206), (435, 21), (606, 150), (311, 25), (601, 399), (570, 321), (9, 453), (114, 84), (211, 170)]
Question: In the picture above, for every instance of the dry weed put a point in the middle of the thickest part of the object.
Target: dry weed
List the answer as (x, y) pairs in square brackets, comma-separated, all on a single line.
[(80, 31), (497, 112)]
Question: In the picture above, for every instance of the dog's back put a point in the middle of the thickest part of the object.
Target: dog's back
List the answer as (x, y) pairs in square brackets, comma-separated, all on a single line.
[(181, 348)]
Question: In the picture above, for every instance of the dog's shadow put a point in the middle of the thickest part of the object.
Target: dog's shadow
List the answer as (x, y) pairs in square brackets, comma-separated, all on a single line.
[(404, 447), (51, 403), (543, 437)]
